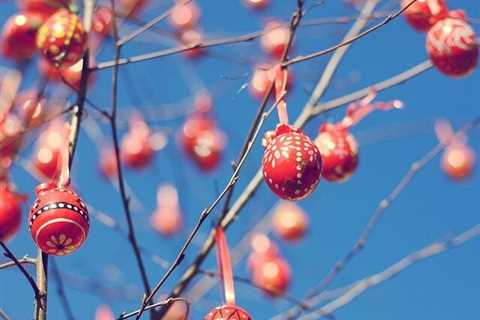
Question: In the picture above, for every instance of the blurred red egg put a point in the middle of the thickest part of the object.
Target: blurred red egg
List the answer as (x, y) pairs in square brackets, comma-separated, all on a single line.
[(262, 78), (136, 150), (289, 221), (275, 38), (191, 37), (167, 219), (10, 212), (272, 275), (108, 163), (422, 14), (132, 8), (19, 35), (458, 162), (184, 15)]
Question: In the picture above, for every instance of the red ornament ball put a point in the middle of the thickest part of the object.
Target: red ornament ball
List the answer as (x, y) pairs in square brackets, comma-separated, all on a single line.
[(202, 141), (108, 163), (452, 47), (10, 213), (289, 221), (273, 276), (58, 220), (339, 151), (62, 39), (275, 38), (423, 14), (228, 312), (184, 15), (19, 34), (102, 20), (291, 163), (44, 7), (458, 162), (137, 149)]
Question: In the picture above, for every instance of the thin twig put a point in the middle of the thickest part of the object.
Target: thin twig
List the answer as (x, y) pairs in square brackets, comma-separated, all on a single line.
[(3, 315), (113, 124), (9, 254), (24, 260), (349, 41)]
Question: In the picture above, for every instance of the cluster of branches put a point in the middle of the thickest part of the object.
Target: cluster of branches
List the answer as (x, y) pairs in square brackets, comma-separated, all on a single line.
[(329, 300)]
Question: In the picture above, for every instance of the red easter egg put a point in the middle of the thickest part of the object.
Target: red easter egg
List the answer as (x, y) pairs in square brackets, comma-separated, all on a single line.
[(458, 162), (289, 221), (452, 47), (339, 152), (10, 213), (228, 312), (256, 4), (136, 149), (167, 219), (19, 34), (62, 39), (43, 7), (108, 163), (273, 276), (275, 38), (423, 14), (202, 141), (184, 15), (58, 220), (47, 156), (132, 8), (291, 163)]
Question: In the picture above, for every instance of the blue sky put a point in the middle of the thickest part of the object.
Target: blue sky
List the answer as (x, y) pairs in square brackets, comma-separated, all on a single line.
[(430, 209)]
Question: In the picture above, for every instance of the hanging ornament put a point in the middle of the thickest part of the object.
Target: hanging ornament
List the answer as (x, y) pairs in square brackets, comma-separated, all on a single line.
[(137, 149), (458, 160), (202, 140), (62, 39), (289, 221), (31, 107), (19, 34), (58, 219), (452, 45), (184, 16), (43, 7), (270, 271), (275, 38), (256, 4), (104, 313), (108, 163), (167, 219), (291, 162), (47, 155), (273, 276), (423, 14), (229, 310), (10, 211), (132, 8), (263, 76), (338, 147)]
